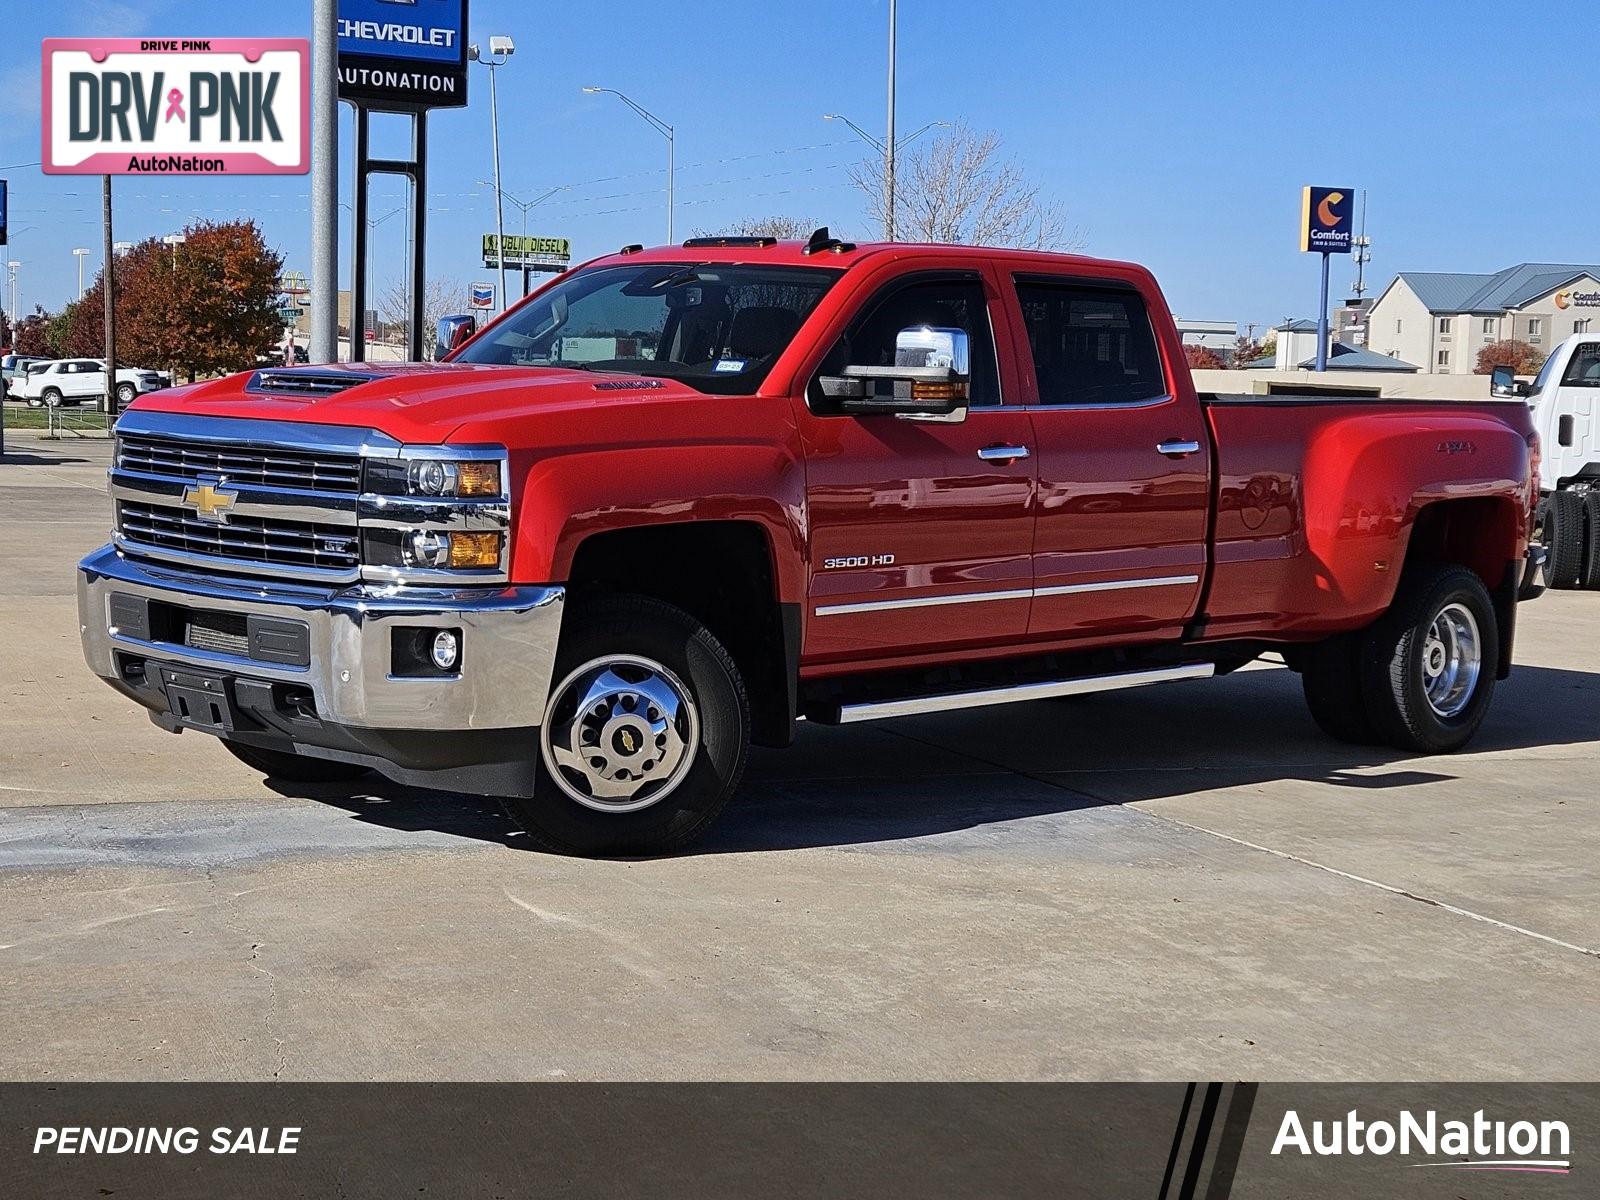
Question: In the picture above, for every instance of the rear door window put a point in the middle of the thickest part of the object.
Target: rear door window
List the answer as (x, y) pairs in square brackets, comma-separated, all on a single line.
[(1584, 368), (1090, 345)]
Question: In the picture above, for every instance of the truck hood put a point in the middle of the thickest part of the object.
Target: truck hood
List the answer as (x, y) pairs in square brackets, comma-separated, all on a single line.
[(414, 402)]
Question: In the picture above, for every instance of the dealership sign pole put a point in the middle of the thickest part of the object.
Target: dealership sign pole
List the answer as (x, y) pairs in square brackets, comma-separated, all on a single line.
[(397, 58), (1327, 226)]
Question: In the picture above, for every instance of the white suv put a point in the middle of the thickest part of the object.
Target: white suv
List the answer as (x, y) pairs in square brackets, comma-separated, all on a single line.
[(82, 381)]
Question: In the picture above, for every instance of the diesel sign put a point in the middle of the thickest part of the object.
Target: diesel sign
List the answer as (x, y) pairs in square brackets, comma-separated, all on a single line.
[(209, 107)]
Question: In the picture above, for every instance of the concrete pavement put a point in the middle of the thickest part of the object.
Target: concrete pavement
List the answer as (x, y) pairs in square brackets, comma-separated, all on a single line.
[(1175, 882)]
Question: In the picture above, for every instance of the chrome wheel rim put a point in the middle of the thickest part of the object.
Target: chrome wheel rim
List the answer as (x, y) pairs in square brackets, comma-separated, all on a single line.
[(1452, 657), (619, 733)]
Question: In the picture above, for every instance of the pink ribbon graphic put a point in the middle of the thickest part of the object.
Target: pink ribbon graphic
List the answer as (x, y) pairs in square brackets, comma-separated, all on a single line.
[(175, 106)]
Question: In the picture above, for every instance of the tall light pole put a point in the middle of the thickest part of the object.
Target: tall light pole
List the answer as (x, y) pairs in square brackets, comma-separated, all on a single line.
[(501, 49), (888, 151), (525, 205), (325, 181), (888, 140), (660, 127), (174, 240), (81, 253)]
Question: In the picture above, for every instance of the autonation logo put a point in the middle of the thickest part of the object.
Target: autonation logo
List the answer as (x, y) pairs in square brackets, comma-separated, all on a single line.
[(1475, 1145)]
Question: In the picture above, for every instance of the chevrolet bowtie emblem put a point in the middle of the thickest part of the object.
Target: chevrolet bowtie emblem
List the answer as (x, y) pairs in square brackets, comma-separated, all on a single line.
[(211, 503)]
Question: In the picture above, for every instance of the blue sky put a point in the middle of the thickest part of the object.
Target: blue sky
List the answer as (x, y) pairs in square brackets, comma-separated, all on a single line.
[(1174, 134)]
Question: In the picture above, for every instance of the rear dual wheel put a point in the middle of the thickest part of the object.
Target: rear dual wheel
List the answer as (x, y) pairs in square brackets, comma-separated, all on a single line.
[(1421, 677), (1562, 529)]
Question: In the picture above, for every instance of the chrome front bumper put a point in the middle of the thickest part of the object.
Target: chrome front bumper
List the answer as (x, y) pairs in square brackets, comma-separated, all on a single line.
[(509, 639)]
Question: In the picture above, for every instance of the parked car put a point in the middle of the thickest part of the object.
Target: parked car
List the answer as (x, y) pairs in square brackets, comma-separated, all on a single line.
[(12, 366), (805, 479), (83, 381), (1563, 397)]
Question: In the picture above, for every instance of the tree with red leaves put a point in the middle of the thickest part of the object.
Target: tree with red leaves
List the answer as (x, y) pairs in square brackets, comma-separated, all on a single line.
[(1519, 356), (33, 335), (205, 307), (1203, 358)]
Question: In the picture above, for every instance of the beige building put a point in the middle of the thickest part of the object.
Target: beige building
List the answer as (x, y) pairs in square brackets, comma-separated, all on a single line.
[(1440, 321)]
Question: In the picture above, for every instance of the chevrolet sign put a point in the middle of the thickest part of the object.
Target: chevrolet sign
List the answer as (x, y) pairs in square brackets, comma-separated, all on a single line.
[(403, 55)]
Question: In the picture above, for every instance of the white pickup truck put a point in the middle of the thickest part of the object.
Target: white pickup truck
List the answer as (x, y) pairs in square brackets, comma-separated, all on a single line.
[(1565, 398)]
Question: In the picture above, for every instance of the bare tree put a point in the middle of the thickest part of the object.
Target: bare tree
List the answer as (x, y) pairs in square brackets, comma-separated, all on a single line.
[(780, 227), (957, 188), (440, 298)]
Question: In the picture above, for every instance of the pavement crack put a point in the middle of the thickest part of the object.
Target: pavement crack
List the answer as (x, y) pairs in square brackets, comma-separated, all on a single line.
[(1283, 854), (1392, 889)]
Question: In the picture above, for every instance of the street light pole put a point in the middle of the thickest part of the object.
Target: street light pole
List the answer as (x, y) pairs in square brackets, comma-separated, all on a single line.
[(889, 141), (11, 273), (660, 127), (888, 150), (525, 205), (500, 51)]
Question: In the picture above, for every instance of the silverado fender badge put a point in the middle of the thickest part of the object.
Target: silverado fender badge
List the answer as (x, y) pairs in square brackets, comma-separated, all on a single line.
[(211, 503)]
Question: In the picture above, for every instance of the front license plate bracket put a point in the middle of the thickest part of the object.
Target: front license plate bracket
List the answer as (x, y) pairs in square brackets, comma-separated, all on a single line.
[(198, 699)]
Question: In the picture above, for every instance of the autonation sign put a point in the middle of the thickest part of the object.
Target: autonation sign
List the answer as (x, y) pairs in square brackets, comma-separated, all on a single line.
[(170, 106)]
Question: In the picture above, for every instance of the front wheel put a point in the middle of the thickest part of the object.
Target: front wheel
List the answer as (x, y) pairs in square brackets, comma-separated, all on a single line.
[(1429, 664), (644, 737)]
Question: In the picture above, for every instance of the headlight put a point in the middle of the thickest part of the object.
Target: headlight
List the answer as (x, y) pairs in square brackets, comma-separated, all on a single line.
[(434, 549), (470, 478)]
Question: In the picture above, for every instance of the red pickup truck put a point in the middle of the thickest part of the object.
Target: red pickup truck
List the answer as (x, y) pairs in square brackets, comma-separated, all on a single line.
[(680, 498)]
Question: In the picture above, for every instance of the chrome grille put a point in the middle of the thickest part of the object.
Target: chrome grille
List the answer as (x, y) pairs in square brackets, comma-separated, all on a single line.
[(251, 541), (237, 463)]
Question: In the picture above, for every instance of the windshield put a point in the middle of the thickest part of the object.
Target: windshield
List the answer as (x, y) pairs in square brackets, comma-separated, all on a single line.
[(717, 327)]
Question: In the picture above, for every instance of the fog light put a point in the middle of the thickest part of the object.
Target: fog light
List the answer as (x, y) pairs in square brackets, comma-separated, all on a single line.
[(446, 650)]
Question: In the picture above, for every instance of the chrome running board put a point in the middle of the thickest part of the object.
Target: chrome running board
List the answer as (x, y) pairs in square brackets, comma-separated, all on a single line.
[(912, 705)]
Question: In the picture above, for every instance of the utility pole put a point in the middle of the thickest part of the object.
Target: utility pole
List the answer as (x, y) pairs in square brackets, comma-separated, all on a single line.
[(324, 181), (888, 141), (110, 308)]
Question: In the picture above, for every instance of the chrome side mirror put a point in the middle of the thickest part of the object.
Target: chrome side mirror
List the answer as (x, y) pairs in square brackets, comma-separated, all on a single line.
[(1503, 382), (452, 333), (929, 381)]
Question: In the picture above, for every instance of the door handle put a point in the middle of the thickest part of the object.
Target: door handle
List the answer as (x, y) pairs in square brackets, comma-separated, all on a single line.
[(1177, 448), (1003, 454)]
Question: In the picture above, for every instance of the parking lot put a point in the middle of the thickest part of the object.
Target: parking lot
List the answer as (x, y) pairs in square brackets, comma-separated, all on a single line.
[(1179, 882)]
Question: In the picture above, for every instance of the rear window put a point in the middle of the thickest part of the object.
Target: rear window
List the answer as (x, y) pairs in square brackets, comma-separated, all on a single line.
[(1584, 368), (1090, 345)]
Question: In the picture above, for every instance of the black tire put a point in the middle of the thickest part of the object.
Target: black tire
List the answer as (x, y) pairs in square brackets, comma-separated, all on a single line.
[(1563, 538), (1393, 650), (642, 627), (1589, 576), (1330, 675), (296, 768), (125, 394), (52, 398)]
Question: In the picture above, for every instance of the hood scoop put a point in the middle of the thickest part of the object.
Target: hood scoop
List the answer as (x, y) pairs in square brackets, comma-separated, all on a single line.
[(304, 381)]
